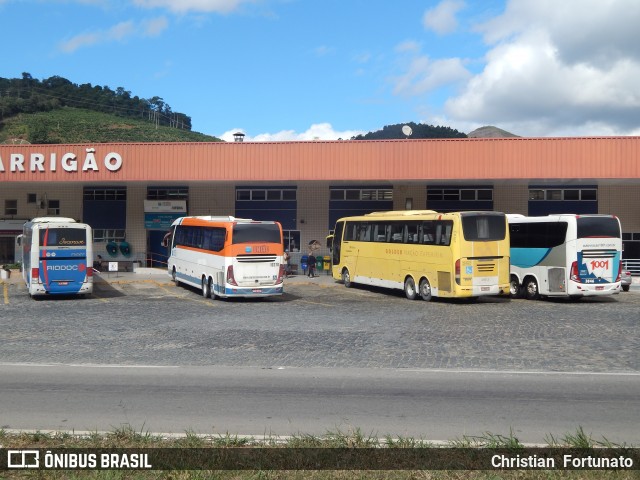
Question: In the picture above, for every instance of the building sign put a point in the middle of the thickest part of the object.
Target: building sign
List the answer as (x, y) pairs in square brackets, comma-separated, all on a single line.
[(160, 214), (11, 227), (68, 162), (165, 206)]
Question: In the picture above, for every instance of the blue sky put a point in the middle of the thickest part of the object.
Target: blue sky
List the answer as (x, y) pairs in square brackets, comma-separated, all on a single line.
[(304, 69)]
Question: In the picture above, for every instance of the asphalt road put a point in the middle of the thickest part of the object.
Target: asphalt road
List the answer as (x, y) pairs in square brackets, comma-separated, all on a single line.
[(320, 358), (434, 405)]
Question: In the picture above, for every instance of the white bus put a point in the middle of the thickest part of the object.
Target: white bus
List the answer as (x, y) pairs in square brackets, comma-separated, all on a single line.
[(57, 255), (565, 255), (227, 256)]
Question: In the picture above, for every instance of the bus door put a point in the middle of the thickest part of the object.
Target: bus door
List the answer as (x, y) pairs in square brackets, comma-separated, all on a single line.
[(337, 246), (62, 265)]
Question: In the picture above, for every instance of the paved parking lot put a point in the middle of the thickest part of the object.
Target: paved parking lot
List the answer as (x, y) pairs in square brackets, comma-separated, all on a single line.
[(317, 323)]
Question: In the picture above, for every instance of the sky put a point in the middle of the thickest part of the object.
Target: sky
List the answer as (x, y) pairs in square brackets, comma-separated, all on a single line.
[(289, 70)]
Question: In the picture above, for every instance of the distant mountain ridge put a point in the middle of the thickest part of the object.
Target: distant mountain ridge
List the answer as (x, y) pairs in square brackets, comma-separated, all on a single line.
[(491, 132)]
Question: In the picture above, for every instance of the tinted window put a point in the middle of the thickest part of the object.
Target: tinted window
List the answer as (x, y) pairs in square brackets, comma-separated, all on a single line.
[(537, 235), (63, 237), (214, 238), (598, 227), (485, 227), (351, 231), (256, 232)]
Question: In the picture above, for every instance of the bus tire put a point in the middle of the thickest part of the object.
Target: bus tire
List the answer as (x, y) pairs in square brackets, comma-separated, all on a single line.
[(425, 290), (206, 287), (346, 278), (174, 277), (531, 290), (515, 289), (410, 288), (625, 288)]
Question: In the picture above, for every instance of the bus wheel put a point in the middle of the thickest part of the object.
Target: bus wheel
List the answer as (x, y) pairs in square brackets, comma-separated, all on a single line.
[(410, 289), (346, 278), (425, 290), (206, 287), (515, 290), (531, 289), (174, 277)]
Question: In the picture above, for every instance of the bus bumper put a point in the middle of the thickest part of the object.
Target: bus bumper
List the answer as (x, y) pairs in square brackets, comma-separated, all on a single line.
[(591, 290), (232, 291)]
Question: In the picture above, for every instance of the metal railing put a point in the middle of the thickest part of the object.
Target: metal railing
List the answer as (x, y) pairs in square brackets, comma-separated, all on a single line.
[(633, 265)]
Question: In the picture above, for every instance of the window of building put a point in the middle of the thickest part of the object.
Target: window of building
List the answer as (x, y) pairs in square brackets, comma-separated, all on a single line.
[(103, 235), (167, 193), (375, 194), (53, 207), (105, 193), (11, 207), (291, 239), (563, 194), (459, 194), (268, 194)]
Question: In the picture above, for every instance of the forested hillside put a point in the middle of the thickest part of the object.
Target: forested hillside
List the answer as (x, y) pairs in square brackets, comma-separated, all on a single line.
[(75, 125), (55, 110), (418, 130)]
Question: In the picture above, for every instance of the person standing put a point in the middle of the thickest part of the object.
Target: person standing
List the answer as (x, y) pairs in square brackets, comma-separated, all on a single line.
[(312, 265)]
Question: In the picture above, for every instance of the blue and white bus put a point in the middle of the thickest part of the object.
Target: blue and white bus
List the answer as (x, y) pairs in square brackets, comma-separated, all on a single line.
[(57, 255), (565, 255)]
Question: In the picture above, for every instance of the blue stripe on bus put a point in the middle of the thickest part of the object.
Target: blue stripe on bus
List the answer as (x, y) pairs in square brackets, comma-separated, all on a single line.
[(231, 291), (528, 257)]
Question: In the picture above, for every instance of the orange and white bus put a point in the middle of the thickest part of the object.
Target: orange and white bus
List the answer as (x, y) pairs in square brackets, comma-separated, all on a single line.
[(227, 256)]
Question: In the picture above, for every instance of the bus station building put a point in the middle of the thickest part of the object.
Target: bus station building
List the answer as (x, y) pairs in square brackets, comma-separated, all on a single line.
[(131, 192)]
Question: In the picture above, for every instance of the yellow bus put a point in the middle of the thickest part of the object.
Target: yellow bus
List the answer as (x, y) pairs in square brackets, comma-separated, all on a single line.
[(425, 253)]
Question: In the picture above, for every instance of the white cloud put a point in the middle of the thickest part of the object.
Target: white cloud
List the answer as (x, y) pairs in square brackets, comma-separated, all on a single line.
[(317, 131), (557, 68), (425, 76), (184, 6), (442, 18), (408, 46), (155, 26), (322, 51), (118, 33)]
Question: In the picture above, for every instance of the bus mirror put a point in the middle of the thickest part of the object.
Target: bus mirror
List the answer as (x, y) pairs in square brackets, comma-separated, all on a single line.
[(166, 240), (329, 241), (19, 240)]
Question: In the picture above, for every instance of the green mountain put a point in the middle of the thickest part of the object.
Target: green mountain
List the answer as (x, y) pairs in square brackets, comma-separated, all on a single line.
[(75, 125), (55, 110), (418, 130)]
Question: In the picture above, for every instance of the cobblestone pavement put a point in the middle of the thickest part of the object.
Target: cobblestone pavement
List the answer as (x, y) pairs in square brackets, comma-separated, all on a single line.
[(317, 323)]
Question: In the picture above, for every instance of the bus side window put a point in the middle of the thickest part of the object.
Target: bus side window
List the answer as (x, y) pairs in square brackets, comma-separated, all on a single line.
[(428, 233)]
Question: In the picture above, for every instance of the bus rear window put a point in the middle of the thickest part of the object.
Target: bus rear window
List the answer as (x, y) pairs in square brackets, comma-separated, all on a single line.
[(598, 227), (483, 227), (63, 237), (256, 232)]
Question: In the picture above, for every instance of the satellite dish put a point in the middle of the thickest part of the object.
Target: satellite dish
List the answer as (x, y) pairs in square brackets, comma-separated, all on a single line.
[(407, 130)]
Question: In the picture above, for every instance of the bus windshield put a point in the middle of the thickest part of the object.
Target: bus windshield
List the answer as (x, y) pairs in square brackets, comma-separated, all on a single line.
[(483, 227), (63, 237), (598, 227), (256, 232)]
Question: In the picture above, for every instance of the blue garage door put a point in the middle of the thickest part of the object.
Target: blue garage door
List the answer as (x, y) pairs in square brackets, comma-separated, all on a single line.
[(273, 203)]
